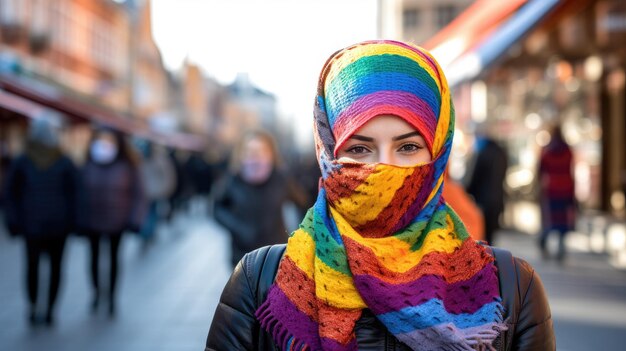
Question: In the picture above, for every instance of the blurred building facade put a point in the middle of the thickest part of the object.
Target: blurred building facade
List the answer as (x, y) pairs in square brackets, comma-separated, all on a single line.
[(148, 77), (72, 56), (93, 61), (82, 45), (521, 66), (417, 20)]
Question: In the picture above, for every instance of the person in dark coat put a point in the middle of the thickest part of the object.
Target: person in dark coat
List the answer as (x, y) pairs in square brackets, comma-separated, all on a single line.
[(381, 261), (486, 183), (249, 201), (202, 173), (557, 197), (111, 203), (40, 205)]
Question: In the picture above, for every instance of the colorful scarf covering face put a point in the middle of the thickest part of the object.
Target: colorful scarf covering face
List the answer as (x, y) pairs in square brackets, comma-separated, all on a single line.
[(380, 236)]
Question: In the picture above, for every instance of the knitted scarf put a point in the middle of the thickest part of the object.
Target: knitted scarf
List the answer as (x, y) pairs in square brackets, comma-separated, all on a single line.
[(381, 237)]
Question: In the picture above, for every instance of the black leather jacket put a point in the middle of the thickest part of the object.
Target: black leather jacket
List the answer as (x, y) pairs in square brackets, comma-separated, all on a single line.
[(234, 326)]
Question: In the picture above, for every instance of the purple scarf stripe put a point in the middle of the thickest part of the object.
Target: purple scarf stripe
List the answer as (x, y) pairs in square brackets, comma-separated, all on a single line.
[(416, 206), (285, 320), (333, 345), (401, 99), (457, 298)]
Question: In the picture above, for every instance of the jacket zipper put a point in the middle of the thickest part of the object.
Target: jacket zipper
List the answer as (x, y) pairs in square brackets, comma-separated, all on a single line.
[(389, 342)]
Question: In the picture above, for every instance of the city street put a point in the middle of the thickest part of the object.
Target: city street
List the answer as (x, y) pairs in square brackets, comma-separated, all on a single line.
[(168, 294)]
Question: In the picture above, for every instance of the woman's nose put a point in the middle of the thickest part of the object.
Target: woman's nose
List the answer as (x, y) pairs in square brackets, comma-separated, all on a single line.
[(386, 156)]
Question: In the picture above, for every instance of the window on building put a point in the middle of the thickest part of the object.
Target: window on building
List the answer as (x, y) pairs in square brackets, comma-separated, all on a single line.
[(410, 18), (445, 15), (12, 12)]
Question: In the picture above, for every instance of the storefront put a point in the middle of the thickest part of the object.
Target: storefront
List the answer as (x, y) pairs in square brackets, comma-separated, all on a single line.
[(544, 63)]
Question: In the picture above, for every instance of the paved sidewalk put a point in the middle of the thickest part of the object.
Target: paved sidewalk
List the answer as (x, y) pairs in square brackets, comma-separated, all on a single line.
[(587, 294), (167, 294)]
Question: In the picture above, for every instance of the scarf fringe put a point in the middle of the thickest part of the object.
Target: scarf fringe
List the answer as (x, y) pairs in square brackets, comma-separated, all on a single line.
[(282, 337), (483, 340)]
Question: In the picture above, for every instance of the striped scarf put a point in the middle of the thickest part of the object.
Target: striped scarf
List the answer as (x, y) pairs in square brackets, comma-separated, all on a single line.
[(381, 237)]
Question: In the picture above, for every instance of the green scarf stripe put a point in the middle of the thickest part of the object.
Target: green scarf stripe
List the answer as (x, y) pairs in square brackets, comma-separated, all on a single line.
[(408, 234), (326, 248), (438, 221), (459, 227), (386, 63)]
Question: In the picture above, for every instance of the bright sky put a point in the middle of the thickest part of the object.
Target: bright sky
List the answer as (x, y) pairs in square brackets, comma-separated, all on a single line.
[(282, 44)]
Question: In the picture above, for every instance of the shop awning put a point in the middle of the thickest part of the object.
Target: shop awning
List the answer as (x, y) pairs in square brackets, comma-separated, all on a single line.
[(27, 97), (471, 27), (478, 37), (75, 108), (19, 105)]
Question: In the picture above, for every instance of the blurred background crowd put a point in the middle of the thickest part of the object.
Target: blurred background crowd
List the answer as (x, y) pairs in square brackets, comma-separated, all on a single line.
[(101, 141)]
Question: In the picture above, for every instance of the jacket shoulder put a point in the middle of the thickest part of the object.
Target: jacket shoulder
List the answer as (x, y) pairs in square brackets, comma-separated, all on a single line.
[(527, 311), (260, 267), (234, 325)]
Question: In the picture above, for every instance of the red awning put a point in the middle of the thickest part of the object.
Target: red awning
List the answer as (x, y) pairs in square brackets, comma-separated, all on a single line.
[(484, 32), (471, 27), (27, 96), (74, 107), (19, 105)]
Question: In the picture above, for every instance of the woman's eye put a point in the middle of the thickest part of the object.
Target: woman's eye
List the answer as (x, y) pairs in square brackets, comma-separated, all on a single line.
[(357, 150), (410, 148)]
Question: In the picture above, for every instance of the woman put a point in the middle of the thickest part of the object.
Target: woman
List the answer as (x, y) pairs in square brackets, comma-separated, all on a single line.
[(557, 196), (381, 261), (249, 201), (111, 203), (159, 181), (40, 204)]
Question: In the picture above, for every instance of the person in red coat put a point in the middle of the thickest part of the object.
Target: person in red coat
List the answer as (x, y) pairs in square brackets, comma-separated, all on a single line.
[(557, 199)]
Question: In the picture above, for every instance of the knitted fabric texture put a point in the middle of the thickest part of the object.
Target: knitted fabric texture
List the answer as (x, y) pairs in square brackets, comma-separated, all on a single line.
[(380, 236)]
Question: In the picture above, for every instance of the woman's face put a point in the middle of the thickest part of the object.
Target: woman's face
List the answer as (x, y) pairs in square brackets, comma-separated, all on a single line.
[(386, 139), (106, 137), (257, 149), (104, 148), (257, 160)]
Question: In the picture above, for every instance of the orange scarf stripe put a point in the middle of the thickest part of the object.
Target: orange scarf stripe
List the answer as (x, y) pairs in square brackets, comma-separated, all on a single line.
[(300, 290), (467, 257), (298, 287), (342, 327), (390, 216), (338, 186)]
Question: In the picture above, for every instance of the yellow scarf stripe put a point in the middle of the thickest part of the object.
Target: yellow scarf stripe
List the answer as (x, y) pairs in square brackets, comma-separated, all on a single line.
[(395, 254), (336, 288), (373, 198), (352, 55), (443, 125), (435, 189), (301, 250), (445, 113)]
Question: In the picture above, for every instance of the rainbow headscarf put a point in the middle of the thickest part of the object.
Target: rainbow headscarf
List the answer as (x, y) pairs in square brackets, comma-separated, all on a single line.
[(381, 237)]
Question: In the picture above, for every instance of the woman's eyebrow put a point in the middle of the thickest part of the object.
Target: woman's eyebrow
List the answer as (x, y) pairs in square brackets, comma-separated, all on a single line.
[(407, 135), (361, 138)]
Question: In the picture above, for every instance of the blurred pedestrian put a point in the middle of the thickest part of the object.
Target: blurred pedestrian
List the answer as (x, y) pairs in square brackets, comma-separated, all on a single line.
[(40, 195), (486, 182), (202, 171), (179, 198), (381, 262), (158, 176), (308, 174), (111, 202), (250, 199), (557, 197)]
